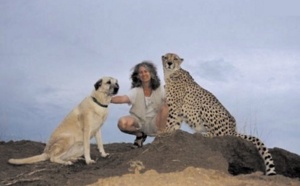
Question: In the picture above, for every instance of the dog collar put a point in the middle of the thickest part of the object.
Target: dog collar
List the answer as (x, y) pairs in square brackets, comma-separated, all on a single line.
[(98, 103)]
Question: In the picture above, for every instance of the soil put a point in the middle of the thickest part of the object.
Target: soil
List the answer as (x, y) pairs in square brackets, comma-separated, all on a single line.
[(178, 159)]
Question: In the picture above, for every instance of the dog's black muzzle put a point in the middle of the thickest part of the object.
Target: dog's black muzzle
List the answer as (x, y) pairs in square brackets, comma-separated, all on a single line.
[(116, 89)]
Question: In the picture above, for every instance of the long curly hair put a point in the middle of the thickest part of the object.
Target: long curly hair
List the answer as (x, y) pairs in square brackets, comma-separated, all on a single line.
[(136, 82)]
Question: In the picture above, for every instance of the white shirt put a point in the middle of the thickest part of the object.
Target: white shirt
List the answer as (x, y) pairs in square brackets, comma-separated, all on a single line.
[(150, 112)]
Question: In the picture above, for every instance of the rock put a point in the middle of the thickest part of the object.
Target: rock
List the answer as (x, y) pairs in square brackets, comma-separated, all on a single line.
[(230, 154), (286, 163)]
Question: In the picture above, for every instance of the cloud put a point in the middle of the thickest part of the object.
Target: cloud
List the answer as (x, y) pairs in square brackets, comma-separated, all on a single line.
[(212, 70)]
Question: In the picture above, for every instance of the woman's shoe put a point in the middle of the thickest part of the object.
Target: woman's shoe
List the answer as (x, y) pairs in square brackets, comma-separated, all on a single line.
[(138, 142)]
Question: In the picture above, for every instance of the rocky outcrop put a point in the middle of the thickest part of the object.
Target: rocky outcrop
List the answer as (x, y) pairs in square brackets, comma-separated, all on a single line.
[(231, 154)]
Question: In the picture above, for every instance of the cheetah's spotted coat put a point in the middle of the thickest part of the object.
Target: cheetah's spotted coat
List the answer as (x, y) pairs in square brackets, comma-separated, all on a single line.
[(200, 109)]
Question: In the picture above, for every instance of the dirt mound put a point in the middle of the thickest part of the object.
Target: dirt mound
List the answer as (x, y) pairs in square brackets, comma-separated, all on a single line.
[(166, 154), (195, 176)]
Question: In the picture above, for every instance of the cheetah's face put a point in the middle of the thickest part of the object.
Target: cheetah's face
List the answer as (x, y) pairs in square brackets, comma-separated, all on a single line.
[(171, 62)]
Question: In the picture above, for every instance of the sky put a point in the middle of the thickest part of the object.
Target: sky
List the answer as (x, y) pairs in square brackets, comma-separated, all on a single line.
[(246, 52)]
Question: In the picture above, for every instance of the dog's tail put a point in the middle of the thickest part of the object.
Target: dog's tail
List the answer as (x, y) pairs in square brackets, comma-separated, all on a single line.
[(29, 160)]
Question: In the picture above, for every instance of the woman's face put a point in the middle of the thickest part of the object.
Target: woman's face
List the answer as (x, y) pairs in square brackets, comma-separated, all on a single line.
[(144, 74)]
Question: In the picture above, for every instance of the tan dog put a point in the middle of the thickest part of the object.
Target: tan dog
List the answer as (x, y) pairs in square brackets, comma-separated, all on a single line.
[(71, 139)]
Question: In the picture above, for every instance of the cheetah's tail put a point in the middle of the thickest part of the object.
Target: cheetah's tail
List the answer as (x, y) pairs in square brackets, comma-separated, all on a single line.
[(263, 151)]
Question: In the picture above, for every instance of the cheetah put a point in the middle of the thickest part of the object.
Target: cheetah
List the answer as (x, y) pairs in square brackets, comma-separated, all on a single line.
[(200, 109)]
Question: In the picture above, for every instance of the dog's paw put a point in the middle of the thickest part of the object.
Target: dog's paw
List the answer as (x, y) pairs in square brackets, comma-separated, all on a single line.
[(68, 163), (90, 161), (105, 155)]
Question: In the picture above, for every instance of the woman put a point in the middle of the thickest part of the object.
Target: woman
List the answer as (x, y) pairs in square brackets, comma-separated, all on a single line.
[(148, 113)]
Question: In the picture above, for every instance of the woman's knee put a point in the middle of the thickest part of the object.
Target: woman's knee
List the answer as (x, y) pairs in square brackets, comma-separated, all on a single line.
[(122, 124)]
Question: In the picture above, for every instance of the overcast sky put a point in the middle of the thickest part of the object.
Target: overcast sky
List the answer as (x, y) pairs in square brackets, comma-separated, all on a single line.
[(246, 52)]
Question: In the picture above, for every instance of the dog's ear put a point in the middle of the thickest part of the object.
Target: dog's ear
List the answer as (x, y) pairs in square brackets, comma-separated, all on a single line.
[(98, 84)]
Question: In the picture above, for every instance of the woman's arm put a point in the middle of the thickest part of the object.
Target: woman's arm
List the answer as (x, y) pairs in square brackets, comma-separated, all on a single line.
[(120, 99)]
